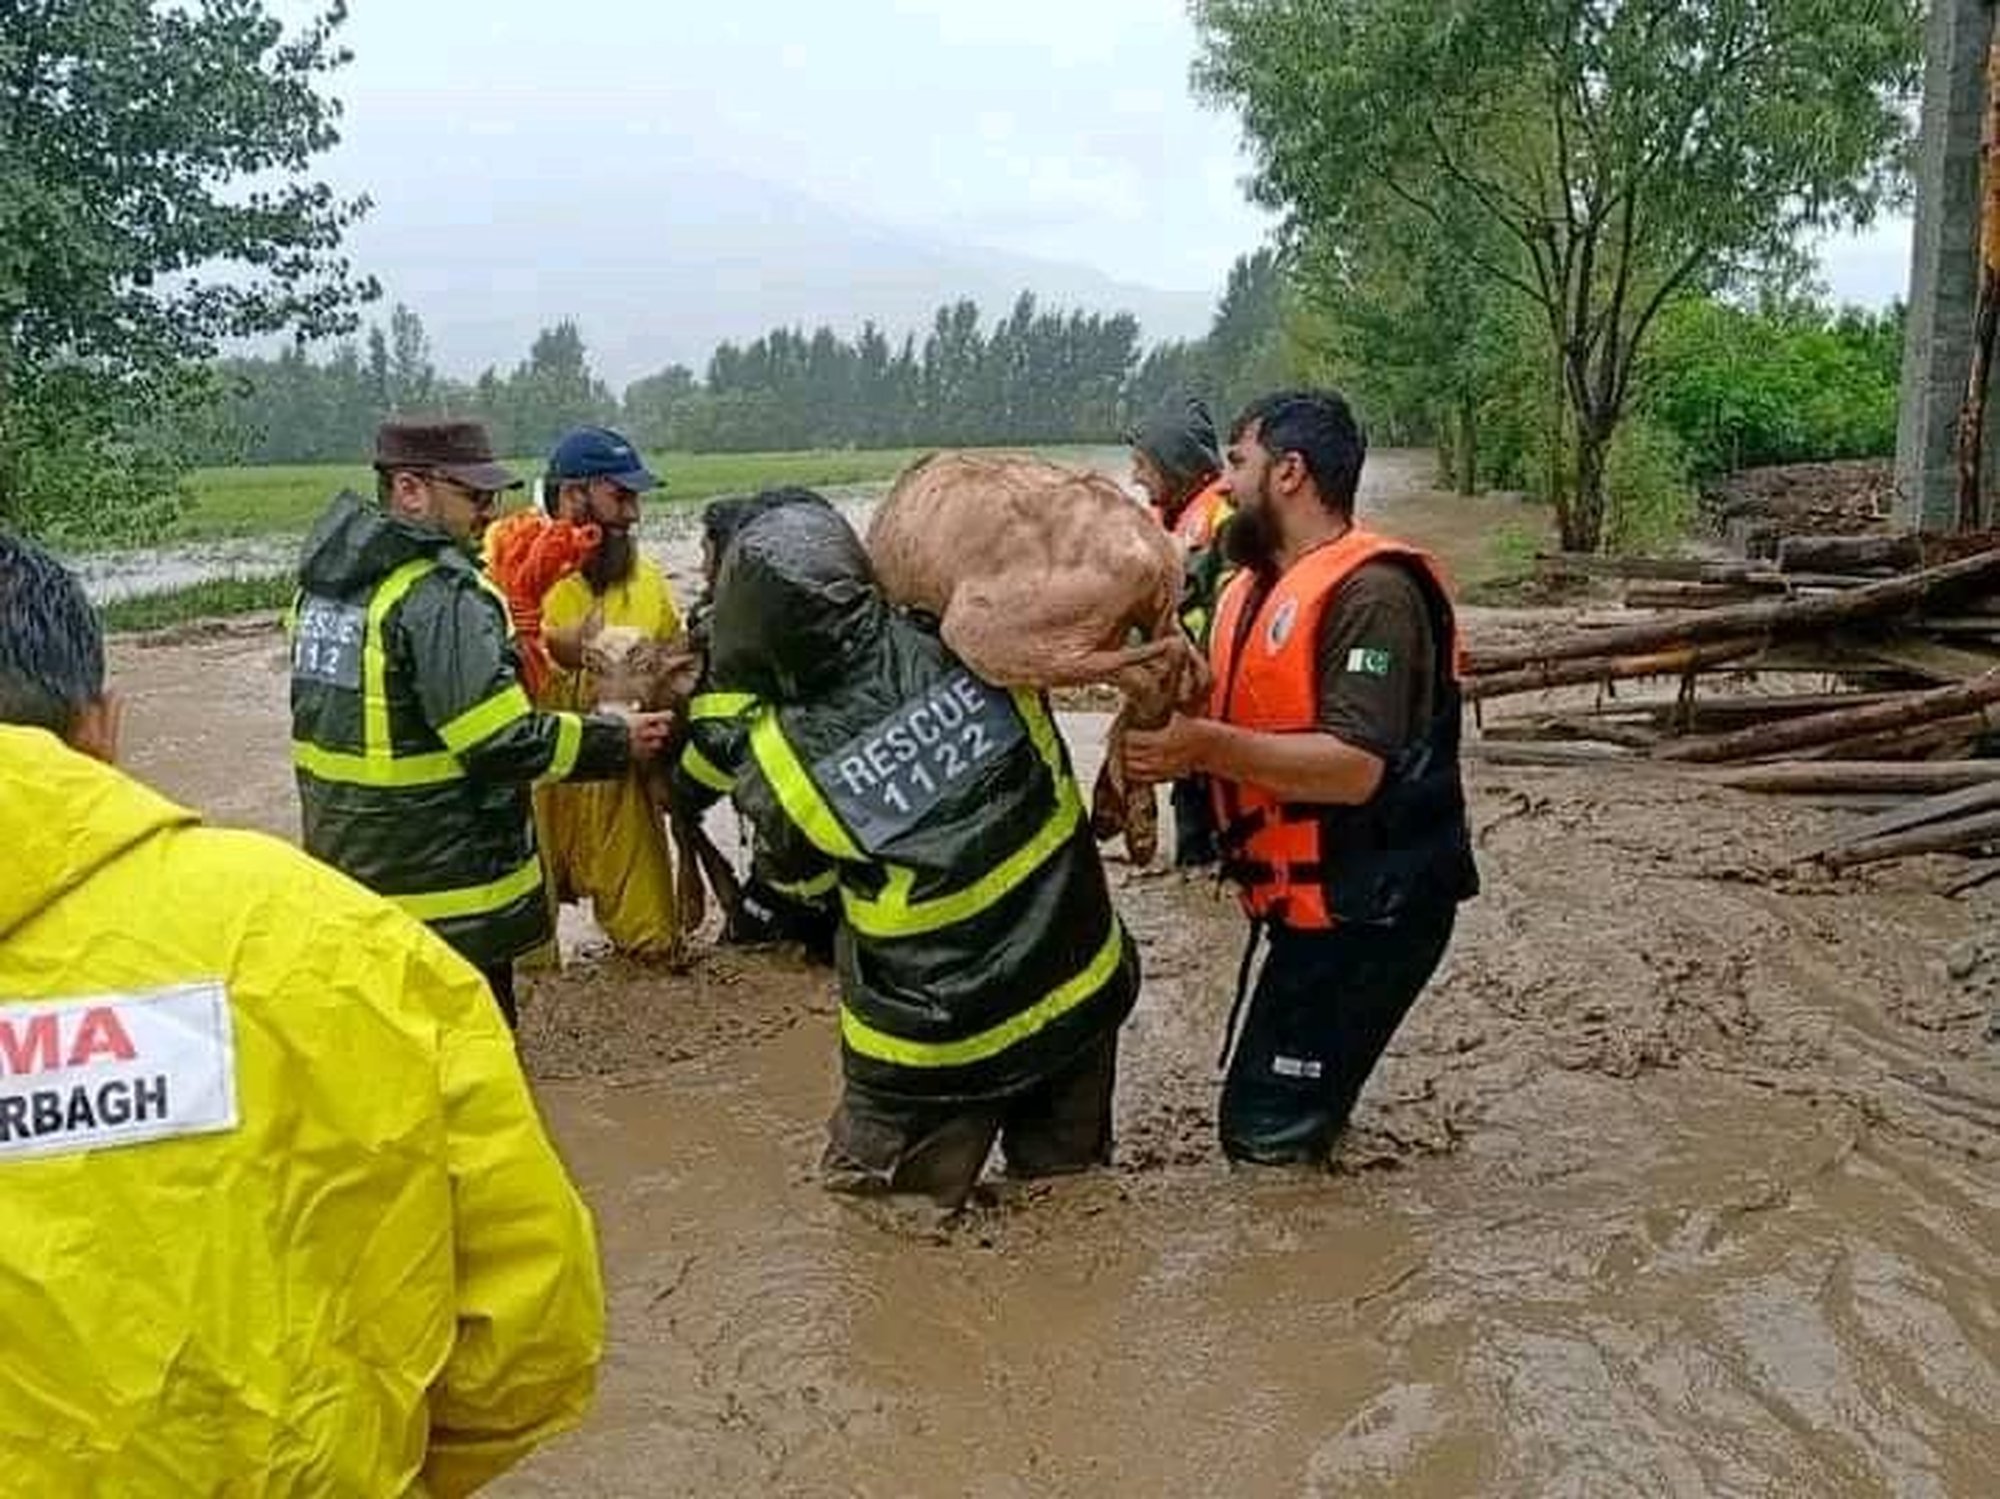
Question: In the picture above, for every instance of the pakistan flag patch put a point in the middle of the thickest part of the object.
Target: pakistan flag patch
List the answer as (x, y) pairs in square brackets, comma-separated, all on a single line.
[(1370, 661)]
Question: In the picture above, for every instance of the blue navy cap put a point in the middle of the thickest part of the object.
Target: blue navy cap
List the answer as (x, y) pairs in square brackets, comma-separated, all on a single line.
[(600, 453)]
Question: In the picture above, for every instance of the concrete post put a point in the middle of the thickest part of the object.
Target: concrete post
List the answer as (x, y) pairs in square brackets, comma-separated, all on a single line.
[(1944, 270)]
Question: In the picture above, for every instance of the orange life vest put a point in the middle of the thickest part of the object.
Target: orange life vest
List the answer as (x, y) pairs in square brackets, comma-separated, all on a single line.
[(1293, 861), (1201, 517)]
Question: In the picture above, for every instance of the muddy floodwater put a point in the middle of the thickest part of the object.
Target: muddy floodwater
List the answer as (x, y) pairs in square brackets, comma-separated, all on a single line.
[(1684, 1179)]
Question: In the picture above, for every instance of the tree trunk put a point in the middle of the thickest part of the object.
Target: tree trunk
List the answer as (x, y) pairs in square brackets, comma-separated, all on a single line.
[(1583, 527), (1468, 446), (1940, 838), (1910, 710), (1814, 777), (1776, 617), (1607, 668), (1845, 554)]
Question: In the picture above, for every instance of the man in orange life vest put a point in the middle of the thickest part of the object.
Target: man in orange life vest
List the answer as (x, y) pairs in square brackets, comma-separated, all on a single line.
[(1176, 463), (1333, 738)]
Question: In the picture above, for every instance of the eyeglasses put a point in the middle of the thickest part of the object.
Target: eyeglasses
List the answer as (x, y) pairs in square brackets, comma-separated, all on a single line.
[(482, 499)]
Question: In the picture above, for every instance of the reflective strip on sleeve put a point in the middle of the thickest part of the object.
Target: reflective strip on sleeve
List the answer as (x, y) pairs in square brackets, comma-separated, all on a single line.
[(569, 745), (704, 771), (812, 889), (507, 706), (723, 705)]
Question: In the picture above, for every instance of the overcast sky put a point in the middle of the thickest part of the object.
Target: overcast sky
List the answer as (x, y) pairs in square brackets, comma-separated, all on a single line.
[(1057, 129)]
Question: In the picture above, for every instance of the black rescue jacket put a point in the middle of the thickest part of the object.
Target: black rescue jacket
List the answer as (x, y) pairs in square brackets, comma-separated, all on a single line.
[(979, 950), (413, 739)]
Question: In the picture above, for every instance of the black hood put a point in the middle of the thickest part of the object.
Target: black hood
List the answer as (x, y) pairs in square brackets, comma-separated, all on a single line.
[(1179, 435), (795, 605)]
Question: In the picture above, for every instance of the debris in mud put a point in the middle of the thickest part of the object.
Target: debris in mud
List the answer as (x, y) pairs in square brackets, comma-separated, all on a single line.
[(1881, 687)]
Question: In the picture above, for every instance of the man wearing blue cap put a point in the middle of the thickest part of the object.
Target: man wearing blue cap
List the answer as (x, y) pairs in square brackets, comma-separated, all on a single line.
[(606, 842)]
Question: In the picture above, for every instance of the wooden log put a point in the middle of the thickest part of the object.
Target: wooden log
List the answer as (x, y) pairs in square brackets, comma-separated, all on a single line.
[(1848, 554), (1549, 755), (1675, 595), (1908, 814), (1939, 838), (1773, 618), (1947, 738), (1907, 711), (1931, 660), (1824, 777), (1544, 727), (1606, 668)]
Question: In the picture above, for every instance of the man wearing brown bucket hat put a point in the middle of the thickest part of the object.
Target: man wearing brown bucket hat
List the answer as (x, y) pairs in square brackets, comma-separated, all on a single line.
[(412, 737)]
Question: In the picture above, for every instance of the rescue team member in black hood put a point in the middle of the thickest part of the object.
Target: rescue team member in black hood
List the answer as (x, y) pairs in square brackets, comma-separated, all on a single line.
[(1174, 460), (718, 744), (413, 739), (983, 972), (1333, 735)]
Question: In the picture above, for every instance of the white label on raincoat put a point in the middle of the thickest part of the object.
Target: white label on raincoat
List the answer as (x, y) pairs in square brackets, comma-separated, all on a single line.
[(120, 1069)]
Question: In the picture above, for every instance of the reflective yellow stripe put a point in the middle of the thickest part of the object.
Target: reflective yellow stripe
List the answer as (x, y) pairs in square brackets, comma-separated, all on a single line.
[(796, 792), (812, 889), (486, 719), (894, 913), (375, 657), (432, 769), (863, 1038), (475, 900), (569, 744), (705, 771), (720, 704)]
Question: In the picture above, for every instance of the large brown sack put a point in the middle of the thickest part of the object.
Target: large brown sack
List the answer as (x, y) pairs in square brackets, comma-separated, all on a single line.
[(1041, 577)]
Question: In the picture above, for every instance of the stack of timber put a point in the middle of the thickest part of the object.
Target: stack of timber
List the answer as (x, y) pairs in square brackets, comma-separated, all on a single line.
[(1861, 669)]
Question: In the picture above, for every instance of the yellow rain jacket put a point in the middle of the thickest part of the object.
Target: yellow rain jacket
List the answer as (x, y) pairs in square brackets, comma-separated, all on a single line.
[(606, 840), (279, 1215)]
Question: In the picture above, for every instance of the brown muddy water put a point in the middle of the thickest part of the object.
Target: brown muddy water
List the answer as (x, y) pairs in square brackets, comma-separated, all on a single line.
[(1684, 1179)]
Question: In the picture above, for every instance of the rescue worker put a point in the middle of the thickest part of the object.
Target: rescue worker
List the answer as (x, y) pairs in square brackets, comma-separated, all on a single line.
[(1333, 738), (606, 841), (413, 739), (1176, 464), (983, 971), (281, 1217), (718, 744)]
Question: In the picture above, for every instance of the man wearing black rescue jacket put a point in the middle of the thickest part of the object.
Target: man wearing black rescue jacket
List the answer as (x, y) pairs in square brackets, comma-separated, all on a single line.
[(413, 740), (718, 744), (1333, 736), (983, 971)]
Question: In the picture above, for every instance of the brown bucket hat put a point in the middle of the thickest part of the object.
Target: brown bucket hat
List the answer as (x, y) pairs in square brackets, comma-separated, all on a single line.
[(459, 450)]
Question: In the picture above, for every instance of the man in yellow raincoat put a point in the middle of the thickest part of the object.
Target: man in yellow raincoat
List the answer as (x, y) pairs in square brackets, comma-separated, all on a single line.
[(279, 1217), (606, 841)]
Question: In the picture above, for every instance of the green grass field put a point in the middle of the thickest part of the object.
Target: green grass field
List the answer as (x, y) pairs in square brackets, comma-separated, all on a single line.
[(214, 599), (282, 499)]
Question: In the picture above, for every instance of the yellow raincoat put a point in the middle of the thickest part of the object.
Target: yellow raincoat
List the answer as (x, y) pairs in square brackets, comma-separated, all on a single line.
[(606, 840), (279, 1215)]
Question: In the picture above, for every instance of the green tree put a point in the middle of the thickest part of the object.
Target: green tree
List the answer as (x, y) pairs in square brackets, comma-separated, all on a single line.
[(154, 202), (1622, 153)]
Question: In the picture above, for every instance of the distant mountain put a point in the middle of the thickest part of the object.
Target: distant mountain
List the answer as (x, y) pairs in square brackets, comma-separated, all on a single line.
[(678, 258)]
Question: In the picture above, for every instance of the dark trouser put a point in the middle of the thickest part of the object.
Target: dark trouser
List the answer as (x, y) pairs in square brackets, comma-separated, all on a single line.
[(1194, 824), (877, 1143), (1324, 1010), (500, 979)]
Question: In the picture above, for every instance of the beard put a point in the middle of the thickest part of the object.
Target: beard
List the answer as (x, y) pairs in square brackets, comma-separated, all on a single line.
[(612, 563), (1251, 540)]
